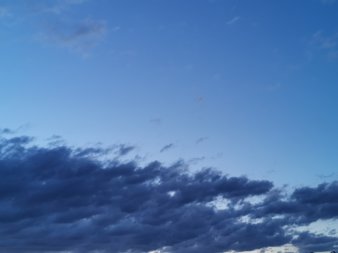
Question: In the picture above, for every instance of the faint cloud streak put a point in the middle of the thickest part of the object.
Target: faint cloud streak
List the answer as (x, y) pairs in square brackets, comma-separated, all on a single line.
[(79, 37), (328, 2), (167, 147), (326, 44), (201, 139), (4, 12), (233, 20), (55, 7)]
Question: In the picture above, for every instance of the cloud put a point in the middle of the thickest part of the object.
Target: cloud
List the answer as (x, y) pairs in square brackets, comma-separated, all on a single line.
[(4, 12), (325, 44), (305, 205), (309, 242), (167, 147), (156, 121), (200, 99), (62, 199), (54, 25), (273, 87), (124, 149), (53, 6), (6, 131), (201, 139), (328, 2), (196, 160), (233, 20), (80, 36), (326, 176)]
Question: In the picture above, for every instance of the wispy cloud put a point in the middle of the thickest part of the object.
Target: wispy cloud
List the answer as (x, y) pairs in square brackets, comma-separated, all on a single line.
[(196, 160), (4, 12), (328, 2), (233, 20), (167, 147), (200, 99), (326, 176), (52, 24), (201, 139), (327, 44), (79, 37), (273, 87), (124, 149), (156, 121), (53, 6), (6, 131)]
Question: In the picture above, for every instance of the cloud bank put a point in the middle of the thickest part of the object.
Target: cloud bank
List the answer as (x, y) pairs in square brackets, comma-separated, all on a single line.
[(64, 199)]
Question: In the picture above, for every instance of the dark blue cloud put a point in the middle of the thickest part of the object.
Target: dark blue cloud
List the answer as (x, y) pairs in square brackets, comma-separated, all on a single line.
[(305, 205), (309, 242), (58, 198)]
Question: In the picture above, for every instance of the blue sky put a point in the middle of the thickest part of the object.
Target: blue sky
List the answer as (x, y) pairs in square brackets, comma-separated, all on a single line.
[(255, 79), (245, 87)]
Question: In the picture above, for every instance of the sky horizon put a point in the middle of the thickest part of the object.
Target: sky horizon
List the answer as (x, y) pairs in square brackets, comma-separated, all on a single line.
[(242, 92)]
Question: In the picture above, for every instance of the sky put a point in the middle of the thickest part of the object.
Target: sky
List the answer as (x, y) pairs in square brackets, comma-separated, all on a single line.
[(242, 92)]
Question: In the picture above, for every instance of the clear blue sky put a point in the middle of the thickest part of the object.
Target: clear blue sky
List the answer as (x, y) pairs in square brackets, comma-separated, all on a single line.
[(248, 87)]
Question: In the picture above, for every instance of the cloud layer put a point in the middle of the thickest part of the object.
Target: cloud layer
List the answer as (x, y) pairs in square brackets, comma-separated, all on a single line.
[(57, 199)]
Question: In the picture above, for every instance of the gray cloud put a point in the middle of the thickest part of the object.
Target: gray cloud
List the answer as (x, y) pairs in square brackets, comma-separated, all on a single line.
[(156, 121), (326, 176), (53, 24), (201, 139), (196, 160), (63, 199), (77, 36), (124, 149), (6, 131), (167, 147)]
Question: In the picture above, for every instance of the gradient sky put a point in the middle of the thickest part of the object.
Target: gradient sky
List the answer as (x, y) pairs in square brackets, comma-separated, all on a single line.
[(247, 87), (256, 80)]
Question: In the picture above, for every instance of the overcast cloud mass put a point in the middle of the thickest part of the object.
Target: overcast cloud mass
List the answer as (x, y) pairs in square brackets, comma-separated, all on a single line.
[(62, 199)]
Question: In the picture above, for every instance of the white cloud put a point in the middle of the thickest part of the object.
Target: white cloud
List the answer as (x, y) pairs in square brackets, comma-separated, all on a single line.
[(56, 7), (328, 1), (233, 20), (4, 12), (327, 44)]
